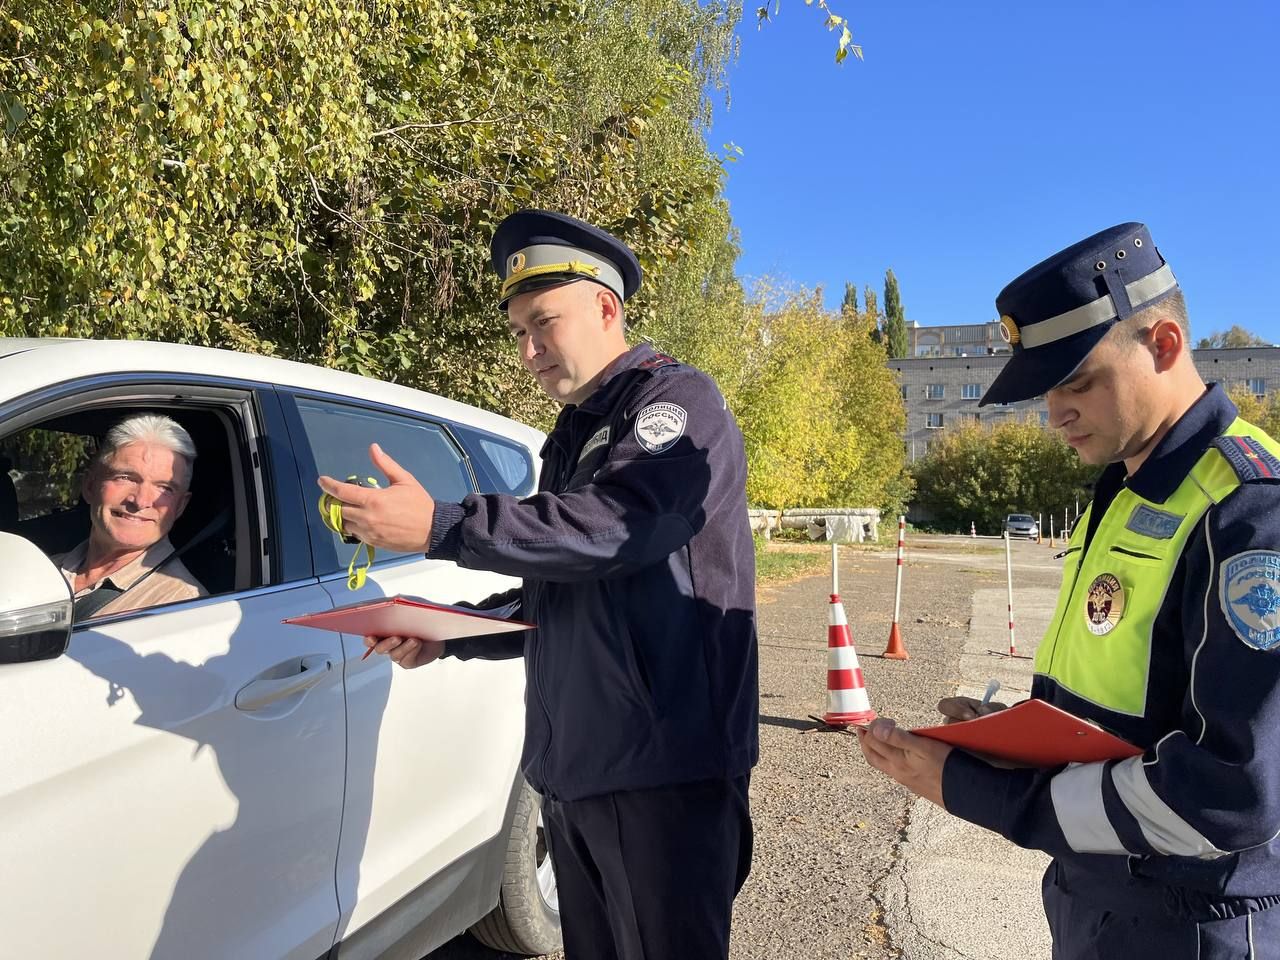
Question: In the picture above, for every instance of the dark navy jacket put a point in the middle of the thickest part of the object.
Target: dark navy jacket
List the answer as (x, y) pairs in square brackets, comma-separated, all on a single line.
[(1210, 729), (639, 571)]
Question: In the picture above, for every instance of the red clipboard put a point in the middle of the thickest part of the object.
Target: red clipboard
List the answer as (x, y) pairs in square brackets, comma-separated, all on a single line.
[(408, 617), (1033, 734)]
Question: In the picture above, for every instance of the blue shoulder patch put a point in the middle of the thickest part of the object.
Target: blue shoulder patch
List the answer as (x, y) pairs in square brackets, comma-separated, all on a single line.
[(1249, 459), (1250, 600)]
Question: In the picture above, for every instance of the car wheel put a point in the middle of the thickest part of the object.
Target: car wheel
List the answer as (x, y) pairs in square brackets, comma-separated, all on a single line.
[(527, 918)]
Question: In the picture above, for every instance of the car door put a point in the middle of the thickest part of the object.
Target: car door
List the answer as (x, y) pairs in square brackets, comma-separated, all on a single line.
[(172, 785), (432, 752)]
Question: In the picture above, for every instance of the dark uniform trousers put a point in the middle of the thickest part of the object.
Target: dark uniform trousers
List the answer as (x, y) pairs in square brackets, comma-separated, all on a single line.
[(1087, 928), (650, 874)]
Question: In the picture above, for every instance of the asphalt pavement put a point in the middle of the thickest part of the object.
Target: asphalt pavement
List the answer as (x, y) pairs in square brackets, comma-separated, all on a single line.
[(955, 890)]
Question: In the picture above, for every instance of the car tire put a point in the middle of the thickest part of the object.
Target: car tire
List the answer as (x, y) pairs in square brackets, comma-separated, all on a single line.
[(526, 920)]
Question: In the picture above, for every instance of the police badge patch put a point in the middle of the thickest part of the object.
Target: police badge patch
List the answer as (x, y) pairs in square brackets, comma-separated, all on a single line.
[(1104, 604), (1249, 592), (659, 425)]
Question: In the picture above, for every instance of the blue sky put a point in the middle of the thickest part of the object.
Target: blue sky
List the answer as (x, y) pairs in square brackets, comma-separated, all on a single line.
[(978, 138)]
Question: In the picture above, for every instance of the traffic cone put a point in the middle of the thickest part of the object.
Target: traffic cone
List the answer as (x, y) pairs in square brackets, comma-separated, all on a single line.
[(895, 650), (847, 701)]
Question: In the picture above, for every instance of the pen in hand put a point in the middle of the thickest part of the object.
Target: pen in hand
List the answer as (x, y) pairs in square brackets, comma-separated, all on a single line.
[(992, 686)]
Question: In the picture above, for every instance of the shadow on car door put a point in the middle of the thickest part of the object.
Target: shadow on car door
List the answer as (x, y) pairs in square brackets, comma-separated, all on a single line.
[(208, 762)]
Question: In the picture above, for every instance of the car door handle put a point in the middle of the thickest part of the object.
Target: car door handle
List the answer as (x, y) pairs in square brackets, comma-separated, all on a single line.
[(260, 693)]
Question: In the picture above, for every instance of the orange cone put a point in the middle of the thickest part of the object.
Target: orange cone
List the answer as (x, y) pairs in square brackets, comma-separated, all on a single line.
[(847, 700), (895, 650)]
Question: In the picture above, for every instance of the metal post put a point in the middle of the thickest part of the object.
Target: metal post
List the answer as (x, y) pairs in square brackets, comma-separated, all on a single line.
[(835, 572), (897, 590), (1008, 569)]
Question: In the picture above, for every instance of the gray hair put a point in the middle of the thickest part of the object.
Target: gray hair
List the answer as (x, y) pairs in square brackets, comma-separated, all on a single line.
[(148, 428)]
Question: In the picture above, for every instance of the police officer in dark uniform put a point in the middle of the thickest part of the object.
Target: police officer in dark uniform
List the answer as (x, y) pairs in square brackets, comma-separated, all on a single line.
[(638, 569), (1166, 633)]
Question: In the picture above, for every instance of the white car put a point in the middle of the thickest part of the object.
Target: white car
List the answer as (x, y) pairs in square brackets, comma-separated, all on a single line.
[(200, 780)]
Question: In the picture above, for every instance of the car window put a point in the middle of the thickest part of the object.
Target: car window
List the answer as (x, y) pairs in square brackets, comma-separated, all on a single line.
[(501, 465), (42, 468), (339, 438)]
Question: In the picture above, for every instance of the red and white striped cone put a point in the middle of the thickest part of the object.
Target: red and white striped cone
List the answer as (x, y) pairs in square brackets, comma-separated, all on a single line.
[(847, 701)]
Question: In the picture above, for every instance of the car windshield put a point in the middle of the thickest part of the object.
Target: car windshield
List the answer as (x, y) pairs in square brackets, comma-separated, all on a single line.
[(1018, 518)]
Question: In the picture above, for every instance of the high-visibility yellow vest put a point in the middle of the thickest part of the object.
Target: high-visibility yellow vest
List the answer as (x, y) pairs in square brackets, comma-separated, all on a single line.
[(1099, 644)]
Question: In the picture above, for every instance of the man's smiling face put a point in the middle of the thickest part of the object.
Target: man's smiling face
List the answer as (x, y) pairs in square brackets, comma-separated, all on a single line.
[(135, 495)]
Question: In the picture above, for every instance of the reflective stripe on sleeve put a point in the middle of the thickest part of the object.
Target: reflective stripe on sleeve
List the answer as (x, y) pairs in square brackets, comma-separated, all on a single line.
[(1167, 832), (1077, 803)]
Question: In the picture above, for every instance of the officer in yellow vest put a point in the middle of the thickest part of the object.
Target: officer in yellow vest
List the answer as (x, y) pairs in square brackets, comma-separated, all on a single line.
[(1166, 633)]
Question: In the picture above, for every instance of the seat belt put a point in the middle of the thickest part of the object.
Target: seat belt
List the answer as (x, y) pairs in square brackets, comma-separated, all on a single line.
[(88, 605)]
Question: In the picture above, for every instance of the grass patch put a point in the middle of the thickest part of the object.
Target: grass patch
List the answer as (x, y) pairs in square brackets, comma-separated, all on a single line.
[(786, 561)]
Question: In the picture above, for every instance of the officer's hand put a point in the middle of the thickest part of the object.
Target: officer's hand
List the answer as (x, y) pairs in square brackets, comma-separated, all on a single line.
[(915, 762), (409, 652), (397, 517), (955, 709)]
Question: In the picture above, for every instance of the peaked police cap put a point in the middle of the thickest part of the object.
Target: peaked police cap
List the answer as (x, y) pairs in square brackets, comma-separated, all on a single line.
[(1061, 308), (535, 249)]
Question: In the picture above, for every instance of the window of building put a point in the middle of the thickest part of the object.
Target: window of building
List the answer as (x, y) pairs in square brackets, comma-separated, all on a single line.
[(1257, 386), (904, 391), (933, 421), (934, 391), (1044, 418), (971, 391)]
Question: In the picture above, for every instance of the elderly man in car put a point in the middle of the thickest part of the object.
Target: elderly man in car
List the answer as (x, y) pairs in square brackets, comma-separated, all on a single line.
[(137, 486)]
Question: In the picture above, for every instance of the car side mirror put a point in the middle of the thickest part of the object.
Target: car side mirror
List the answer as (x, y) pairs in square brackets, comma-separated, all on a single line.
[(35, 603)]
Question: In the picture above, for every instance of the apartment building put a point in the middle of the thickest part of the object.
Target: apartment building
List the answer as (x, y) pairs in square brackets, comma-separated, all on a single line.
[(956, 340), (941, 391)]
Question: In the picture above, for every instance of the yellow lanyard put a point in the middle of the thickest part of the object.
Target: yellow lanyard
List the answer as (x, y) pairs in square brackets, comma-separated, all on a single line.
[(331, 514)]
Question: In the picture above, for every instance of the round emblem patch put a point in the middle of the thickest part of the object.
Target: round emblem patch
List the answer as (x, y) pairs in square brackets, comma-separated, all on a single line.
[(659, 425), (517, 263), (1249, 592), (1104, 605), (1009, 330)]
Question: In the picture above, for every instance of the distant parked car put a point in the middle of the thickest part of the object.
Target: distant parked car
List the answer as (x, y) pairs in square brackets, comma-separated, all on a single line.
[(1021, 525)]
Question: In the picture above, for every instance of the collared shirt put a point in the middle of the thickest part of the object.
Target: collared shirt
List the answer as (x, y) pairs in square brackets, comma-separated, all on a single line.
[(169, 584)]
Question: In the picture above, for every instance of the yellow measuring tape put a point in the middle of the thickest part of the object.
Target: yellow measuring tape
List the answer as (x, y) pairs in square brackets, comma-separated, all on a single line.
[(331, 513)]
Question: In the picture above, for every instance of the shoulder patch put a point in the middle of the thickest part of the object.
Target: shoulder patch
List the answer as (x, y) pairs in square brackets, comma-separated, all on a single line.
[(1249, 593), (1249, 459), (659, 425)]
